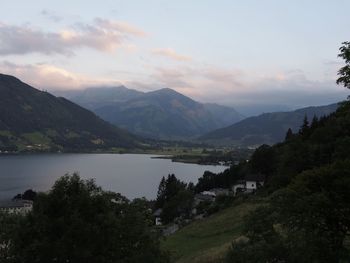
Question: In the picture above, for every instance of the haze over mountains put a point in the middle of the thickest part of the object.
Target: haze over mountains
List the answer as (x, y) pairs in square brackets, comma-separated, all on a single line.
[(267, 128), (160, 114), (36, 120)]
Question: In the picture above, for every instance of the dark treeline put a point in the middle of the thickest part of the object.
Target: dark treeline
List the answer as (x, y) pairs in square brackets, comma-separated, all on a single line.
[(306, 215)]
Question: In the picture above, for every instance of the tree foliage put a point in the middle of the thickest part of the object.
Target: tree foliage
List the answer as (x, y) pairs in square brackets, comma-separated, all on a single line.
[(308, 221), (344, 72), (79, 222), (174, 197)]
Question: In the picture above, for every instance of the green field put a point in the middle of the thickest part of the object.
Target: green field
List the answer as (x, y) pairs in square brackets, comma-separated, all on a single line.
[(207, 240)]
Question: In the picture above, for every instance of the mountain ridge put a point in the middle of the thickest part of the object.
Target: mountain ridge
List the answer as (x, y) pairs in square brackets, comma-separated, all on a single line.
[(266, 128), (31, 119), (160, 114)]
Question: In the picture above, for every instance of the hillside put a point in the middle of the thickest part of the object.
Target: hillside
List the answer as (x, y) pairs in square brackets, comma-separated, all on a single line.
[(306, 193), (160, 114), (33, 120), (267, 128), (207, 241)]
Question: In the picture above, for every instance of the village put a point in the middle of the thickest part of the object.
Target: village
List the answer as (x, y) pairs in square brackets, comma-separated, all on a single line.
[(204, 203), (202, 206)]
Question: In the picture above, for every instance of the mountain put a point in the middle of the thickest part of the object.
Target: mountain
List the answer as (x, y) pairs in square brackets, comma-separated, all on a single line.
[(36, 120), (96, 97), (224, 115), (267, 128), (160, 114)]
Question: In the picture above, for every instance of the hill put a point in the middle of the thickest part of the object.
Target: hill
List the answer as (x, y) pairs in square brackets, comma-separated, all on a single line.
[(267, 128), (306, 193), (160, 114), (33, 120), (207, 241)]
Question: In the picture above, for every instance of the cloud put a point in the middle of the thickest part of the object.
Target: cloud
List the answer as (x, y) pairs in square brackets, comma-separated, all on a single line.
[(46, 76), (235, 87), (102, 35), (119, 26), (51, 15), (292, 89), (170, 53)]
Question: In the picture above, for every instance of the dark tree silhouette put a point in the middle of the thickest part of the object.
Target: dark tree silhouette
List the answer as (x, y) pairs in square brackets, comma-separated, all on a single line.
[(344, 72)]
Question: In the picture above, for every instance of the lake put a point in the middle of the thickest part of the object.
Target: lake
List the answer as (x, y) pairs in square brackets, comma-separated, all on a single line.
[(132, 175)]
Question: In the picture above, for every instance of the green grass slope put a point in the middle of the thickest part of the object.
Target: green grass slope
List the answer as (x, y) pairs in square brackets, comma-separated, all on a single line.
[(208, 240)]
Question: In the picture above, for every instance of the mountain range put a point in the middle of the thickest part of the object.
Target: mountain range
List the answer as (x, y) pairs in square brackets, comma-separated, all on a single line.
[(160, 114), (267, 128), (31, 119)]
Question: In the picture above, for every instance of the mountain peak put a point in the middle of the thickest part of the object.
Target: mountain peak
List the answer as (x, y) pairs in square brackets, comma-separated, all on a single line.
[(166, 91)]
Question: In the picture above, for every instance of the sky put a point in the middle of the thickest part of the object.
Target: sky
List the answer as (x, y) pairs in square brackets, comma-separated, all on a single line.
[(237, 53)]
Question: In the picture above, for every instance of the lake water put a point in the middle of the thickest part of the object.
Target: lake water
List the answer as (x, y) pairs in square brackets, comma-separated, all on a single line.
[(132, 175)]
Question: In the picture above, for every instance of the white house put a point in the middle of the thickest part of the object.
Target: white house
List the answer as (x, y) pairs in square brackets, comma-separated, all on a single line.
[(249, 185), (16, 207), (157, 218)]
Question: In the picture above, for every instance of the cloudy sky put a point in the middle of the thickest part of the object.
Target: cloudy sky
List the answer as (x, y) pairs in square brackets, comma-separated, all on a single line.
[(276, 52)]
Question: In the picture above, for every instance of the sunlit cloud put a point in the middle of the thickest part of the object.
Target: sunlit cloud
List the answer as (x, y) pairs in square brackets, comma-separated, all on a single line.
[(49, 77), (207, 84), (102, 35), (170, 53)]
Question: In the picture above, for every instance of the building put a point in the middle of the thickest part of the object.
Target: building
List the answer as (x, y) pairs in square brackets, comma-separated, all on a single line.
[(205, 196), (157, 218), (238, 187), (16, 206), (249, 184)]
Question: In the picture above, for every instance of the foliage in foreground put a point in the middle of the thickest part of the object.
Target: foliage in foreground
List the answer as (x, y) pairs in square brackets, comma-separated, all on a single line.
[(308, 221), (307, 218), (79, 222)]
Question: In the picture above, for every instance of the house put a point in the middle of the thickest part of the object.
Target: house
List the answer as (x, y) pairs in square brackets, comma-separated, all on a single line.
[(16, 206), (205, 196), (239, 186), (249, 184), (157, 218)]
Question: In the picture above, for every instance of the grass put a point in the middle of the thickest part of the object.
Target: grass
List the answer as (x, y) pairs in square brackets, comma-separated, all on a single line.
[(36, 138), (5, 133), (207, 240)]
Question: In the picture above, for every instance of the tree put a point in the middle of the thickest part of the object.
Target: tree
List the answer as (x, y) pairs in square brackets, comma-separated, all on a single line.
[(174, 197), (344, 72), (289, 134), (79, 222), (263, 160), (307, 221), (8, 225), (27, 195), (305, 126), (314, 213)]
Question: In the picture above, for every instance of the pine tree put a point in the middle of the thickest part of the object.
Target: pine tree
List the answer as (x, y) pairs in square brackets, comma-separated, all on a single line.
[(314, 122), (289, 134), (305, 127), (161, 193)]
